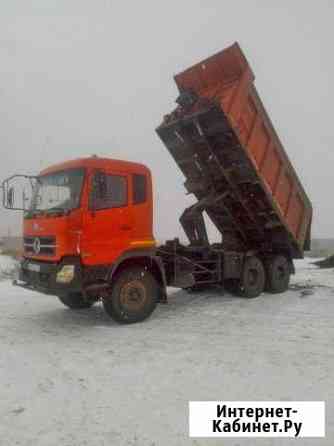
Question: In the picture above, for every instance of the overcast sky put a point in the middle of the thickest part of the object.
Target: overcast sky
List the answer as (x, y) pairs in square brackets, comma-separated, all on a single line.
[(82, 77)]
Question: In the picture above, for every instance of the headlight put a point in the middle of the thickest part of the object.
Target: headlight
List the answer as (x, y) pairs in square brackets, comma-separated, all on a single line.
[(66, 274)]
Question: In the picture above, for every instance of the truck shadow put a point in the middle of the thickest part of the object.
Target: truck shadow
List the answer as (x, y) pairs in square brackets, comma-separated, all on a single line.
[(179, 304), (181, 298)]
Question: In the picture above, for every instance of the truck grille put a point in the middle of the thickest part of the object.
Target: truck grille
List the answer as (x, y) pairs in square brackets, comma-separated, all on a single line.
[(44, 246)]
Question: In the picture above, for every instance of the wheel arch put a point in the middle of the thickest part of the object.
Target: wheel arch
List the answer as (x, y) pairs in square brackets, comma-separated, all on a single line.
[(146, 259)]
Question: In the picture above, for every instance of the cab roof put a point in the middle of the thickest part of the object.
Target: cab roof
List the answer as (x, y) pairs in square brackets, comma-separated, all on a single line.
[(95, 162)]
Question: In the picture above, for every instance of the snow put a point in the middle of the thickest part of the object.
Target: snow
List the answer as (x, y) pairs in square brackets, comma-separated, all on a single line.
[(77, 378), (8, 266)]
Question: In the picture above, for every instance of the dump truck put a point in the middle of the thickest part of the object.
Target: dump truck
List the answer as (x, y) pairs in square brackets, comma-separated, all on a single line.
[(88, 223)]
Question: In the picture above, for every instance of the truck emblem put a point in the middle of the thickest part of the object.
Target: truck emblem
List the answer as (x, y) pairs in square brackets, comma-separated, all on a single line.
[(37, 245)]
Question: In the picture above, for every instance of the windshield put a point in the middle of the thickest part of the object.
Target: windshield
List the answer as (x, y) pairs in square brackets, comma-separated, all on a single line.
[(60, 191)]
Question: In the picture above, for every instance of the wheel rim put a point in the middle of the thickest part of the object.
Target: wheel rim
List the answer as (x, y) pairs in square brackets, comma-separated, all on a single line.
[(133, 296)]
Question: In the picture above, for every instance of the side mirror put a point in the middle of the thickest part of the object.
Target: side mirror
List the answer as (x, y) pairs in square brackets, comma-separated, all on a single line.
[(10, 197), (17, 192)]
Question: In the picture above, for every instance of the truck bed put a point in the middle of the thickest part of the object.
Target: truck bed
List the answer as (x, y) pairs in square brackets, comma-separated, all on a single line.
[(222, 139)]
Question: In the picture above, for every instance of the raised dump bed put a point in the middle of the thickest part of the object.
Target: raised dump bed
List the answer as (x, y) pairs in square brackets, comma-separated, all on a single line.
[(221, 137)]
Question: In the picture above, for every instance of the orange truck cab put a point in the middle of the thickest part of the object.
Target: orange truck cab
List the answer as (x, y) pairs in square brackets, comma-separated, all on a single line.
[(88, 222)]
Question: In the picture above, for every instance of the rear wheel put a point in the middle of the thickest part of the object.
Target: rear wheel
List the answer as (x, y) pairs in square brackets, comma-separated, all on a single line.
[(133, 296), (75, 301), (278, 274), (253, 278)]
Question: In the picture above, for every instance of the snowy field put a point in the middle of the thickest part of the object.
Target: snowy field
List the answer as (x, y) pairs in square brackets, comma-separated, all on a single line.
[(76, 378), (8, 267)]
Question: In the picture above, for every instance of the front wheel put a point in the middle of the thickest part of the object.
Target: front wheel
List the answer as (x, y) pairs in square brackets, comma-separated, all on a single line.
[(133, 296), (75, 301)]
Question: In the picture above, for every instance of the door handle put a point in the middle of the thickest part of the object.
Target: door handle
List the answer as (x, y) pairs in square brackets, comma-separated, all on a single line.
[(125, 227)]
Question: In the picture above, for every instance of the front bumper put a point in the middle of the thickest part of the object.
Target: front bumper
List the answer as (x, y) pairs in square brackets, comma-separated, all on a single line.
[(44, 280)]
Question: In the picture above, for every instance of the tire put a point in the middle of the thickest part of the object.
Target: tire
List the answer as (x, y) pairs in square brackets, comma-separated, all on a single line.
[(75, 301), (253, 278), (278, 275), (133, 297)]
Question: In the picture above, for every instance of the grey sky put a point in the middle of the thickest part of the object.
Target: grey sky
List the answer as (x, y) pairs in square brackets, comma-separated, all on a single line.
[(82, 77)]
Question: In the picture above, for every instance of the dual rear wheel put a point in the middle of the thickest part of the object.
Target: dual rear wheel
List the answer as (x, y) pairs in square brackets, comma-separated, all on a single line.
[(272, 276), (278, 274)]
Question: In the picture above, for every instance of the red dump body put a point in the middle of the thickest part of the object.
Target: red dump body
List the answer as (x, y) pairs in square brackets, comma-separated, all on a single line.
[(227, 79)]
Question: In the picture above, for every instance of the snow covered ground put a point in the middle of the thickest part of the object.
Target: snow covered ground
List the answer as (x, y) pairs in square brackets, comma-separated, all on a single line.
[(8, 267), (77, 378)]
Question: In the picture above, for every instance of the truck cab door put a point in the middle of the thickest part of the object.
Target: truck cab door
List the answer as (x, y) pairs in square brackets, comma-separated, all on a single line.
[(108, 226)]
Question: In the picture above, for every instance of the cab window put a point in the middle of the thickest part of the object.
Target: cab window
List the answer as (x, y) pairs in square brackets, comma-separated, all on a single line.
[(139, 188), (108, 191)]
